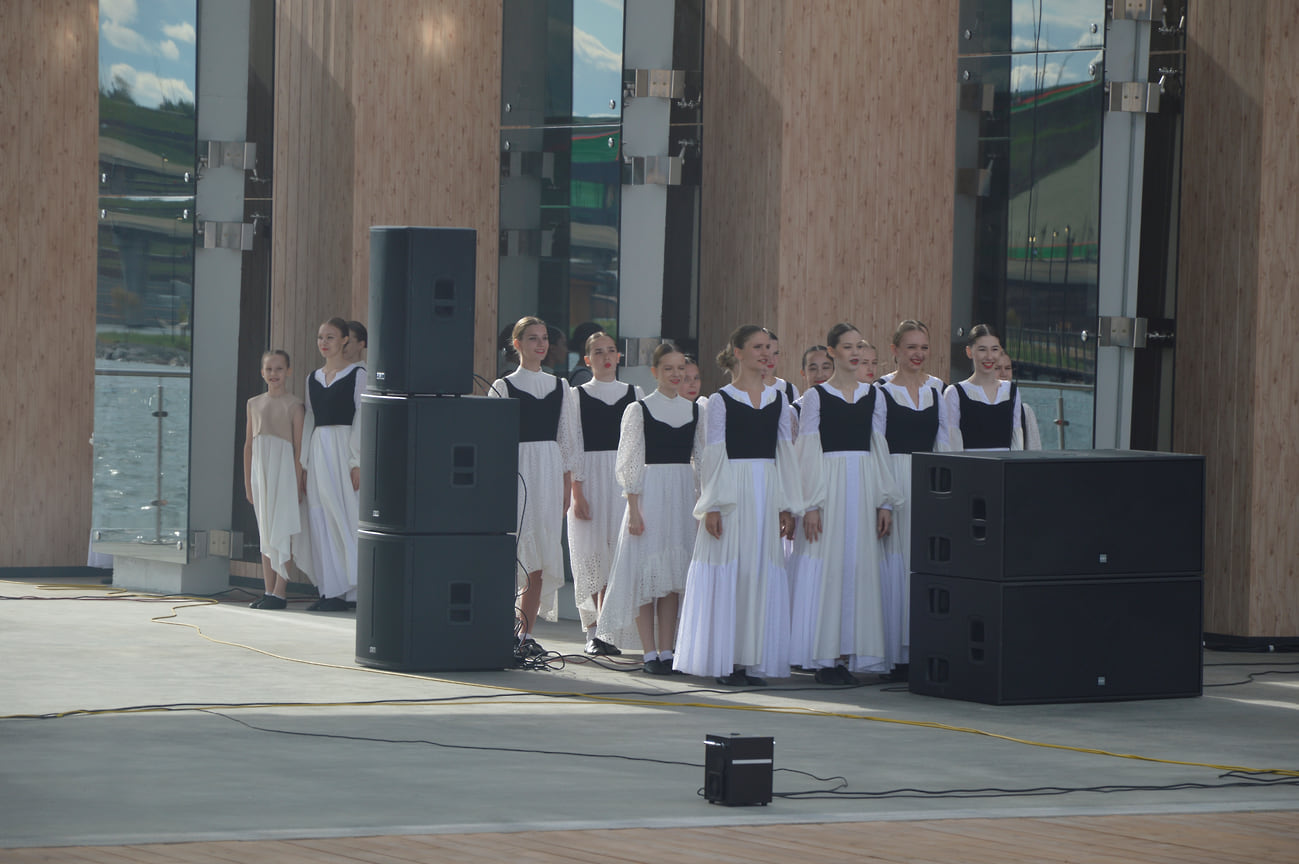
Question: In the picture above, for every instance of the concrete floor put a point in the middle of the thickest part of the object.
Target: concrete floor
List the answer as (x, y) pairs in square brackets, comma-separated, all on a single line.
[(263, 727)]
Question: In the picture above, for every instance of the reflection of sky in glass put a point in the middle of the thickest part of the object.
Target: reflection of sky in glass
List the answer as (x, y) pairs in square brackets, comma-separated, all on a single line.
[(1049, 71), (597, 57), (1056, 25), (150, 46)]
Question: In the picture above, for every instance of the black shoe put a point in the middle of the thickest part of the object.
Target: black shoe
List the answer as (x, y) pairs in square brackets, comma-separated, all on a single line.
[(597, 647), (653, 667), (844, 676), (330, 604), (827, 676), (739, 679), (528, 648), (270, 601), (257, 604), (315, 606)]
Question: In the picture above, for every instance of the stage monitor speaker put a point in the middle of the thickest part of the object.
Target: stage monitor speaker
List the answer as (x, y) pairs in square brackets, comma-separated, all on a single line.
[(1055, 641), (439, 464), (737, 771), (422, 309), (1057, 514), (435, 602)]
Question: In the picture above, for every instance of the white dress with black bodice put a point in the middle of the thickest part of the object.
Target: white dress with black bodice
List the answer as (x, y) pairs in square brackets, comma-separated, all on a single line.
[(735, 612), (845, 473), (546, 450), (661, 438), (907, 427), (975, 423), (597, 409), (331, 438)]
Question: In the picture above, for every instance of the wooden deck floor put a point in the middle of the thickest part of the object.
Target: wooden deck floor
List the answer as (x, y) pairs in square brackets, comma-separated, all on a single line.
[(1264, 837)]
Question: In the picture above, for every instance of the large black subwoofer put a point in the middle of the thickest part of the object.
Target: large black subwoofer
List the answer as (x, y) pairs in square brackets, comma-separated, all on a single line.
[(422, 309), (1054, 640)]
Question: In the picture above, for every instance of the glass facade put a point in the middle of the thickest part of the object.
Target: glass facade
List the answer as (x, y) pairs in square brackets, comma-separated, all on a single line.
[(145, 272), (1030, 112), (561, 98)]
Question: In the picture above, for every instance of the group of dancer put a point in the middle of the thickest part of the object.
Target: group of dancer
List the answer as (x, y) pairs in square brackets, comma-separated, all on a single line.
[(753, 531), (302, 469)]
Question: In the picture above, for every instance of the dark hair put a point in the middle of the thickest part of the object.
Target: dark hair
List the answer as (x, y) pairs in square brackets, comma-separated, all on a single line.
[(907, 326), (340, 325), (582, 332), (810, 351), (740, 335), (590, 342), (771, 333), (663, 350), (977, 332), (690, 359), (837, 331), (358, 332), (282, 353)]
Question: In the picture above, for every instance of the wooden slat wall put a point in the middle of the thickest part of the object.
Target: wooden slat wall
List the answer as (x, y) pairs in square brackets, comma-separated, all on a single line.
[(1235, 392), (311, 223), (48, 154), (427, 97), (828, 161)]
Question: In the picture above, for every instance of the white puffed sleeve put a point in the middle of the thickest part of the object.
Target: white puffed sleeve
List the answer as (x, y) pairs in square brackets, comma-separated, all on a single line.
[(952, 406), (629, 466), (890, 494), (497, 390), (573, 405), (807, 450), (716, 480), (791, 489), (308, 426), (1016, 430), (1034, 439), (354, 434), (569, 450), (946, 422), (701, 436)]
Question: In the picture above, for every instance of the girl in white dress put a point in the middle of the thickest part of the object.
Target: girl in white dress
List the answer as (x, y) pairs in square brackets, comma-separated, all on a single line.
[(332, 461), (546, 449), (735, 612), (817, 366), (912, 417), (837, 622), (273, 480), (597, 408), (983, 411), (661, 436), (1028, 417)]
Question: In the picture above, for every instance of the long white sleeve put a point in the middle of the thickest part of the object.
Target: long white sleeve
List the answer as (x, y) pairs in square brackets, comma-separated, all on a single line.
[(629, 467), (354, 434), (308, 426), (716, 483), (807, 452)]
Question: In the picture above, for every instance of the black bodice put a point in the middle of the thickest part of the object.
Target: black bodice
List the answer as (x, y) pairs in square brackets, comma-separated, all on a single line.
[(909, 431), (665, 444), (538, 418), (601, 422), (334, 405), (751, 433), (984, 426), (843, 426)]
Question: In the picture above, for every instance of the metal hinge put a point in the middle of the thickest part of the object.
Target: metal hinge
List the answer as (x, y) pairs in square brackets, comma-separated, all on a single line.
[(1137, 97), (1133, 10), (1117, 331)]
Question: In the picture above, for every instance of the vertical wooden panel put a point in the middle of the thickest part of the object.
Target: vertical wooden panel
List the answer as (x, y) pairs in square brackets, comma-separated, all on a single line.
[(427, 99), (1274, 503), (828, 162), (48, 111)]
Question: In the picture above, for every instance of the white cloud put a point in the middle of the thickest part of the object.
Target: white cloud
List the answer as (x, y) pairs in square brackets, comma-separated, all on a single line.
[(121, 36), (118, 11), (148, 89), (168, 49), (593, 52), (182, 32)]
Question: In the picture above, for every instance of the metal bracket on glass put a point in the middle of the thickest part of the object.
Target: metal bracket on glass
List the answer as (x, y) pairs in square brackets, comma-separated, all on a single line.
[(1134, 10), (241, 155), (974, 182), (653, 84), (226, 235), (1117, 331), (1138, 97), (652, 171), (639, 350), (978, 98)]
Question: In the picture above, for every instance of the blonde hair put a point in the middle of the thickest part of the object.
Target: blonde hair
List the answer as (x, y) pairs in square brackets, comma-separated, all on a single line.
[(521, 326), (726, 357), (905, 327)]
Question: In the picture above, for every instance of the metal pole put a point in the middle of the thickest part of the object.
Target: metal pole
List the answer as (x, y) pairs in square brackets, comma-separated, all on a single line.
[(1060, 422), (157, 501)]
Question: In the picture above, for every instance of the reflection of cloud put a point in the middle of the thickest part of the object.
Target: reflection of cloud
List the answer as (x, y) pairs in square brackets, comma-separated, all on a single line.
[(120, 11), (120, 36), (592, 52), (615, 5), (1048, 71), (182, 32), (168, 49), (148, 89)]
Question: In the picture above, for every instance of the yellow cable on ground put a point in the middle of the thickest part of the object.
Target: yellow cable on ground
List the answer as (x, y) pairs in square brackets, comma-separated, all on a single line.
[(191, 602)]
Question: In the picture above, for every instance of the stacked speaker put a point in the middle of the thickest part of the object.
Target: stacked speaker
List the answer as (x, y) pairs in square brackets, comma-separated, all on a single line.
[(436, 566), (1056, 576)]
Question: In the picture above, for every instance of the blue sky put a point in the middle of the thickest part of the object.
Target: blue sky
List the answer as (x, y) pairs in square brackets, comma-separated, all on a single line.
[(150, 45), (597, 57)]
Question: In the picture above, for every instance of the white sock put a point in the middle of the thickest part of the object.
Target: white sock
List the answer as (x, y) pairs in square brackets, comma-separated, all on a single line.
[(665, 654), (590, 632), (651, 655)]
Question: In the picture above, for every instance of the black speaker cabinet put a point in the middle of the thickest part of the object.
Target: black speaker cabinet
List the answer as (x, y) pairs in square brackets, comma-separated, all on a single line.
[(1057, 514), (1055, 641), (422, 309), (737, 771), (439, 464), (434, 602)]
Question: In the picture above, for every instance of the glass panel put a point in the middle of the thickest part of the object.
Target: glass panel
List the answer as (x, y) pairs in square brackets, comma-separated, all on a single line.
[(597, 61), (145, 271), (1027, 26), (1028, 204)]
